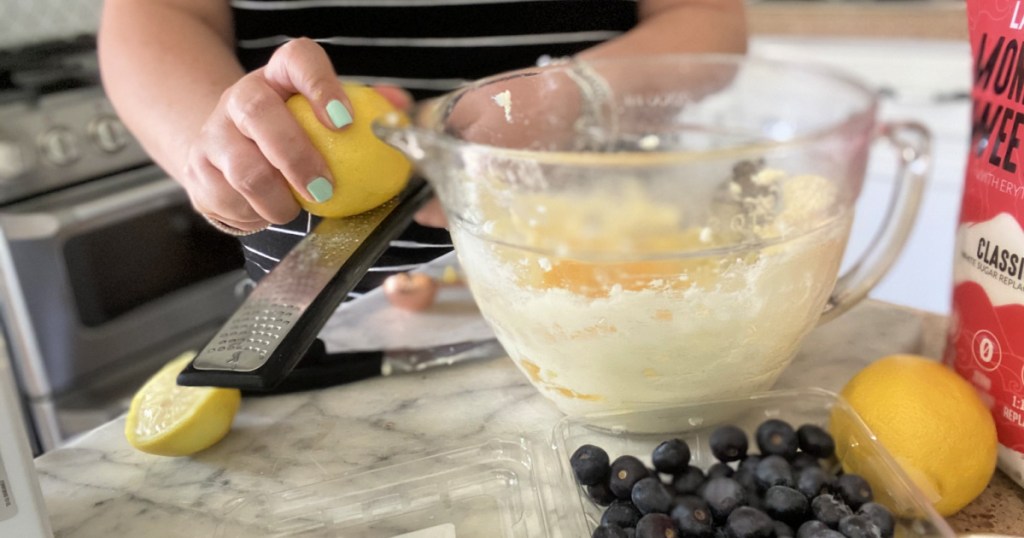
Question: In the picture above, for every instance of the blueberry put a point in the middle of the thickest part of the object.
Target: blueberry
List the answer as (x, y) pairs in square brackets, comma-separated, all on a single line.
[(693, 517), (720, 469), (609, 531), (671, 457), (754, 498), (773, 471), (745, 476), (723, 495), (590, 464), (650, 495), (728, 443), (817, 529), (813, 481), (747, 522), (776, 437), (621, 513), (815, 441), (750, 462), (786, 504), (656, 526), (601, 493), (810, 528), (829, 510), (689, 481), (803, 460), (630, 532), (859, 527), (782, 530), (881, 516), (854, 490), (626, 471)]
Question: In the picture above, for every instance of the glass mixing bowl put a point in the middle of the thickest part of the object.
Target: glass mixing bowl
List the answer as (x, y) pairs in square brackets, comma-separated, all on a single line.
[(664, 229)]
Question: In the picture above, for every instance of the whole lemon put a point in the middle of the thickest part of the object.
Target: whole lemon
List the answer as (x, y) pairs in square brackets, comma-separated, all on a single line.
[(170, 420), (366, 171), (930, 419)]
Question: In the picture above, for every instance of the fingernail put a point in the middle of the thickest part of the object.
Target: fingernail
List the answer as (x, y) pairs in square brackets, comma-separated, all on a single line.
[(320, 189), (340, 116)]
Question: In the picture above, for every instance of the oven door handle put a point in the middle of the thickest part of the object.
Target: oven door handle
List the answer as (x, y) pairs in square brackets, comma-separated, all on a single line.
[(44, 221)]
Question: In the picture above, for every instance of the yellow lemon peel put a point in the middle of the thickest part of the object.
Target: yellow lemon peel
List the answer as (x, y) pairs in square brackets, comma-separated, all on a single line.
[(366, 172), (930, 419)]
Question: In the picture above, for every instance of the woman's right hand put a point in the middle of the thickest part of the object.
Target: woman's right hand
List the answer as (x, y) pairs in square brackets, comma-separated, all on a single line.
[(251, 149)]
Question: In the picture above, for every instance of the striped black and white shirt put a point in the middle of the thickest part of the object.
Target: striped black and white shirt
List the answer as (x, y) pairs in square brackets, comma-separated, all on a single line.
[(427, 47)]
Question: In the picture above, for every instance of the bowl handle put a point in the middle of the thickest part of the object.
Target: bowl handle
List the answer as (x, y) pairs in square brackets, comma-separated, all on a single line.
[(912, 142)]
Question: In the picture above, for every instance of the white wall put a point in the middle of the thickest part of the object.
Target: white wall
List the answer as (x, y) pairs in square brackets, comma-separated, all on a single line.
[(27, 21)]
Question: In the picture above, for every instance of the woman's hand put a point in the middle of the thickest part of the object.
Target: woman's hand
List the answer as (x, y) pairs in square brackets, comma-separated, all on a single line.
[(251, 152)]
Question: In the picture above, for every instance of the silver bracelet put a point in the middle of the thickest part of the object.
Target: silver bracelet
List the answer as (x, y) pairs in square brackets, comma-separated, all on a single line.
[(231, 230), (598, 122)]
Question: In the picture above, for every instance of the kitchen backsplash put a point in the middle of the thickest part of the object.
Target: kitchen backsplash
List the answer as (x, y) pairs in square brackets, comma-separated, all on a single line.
[(30, 21)]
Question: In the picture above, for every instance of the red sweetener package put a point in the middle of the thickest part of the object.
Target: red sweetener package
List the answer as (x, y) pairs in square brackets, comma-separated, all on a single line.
[(986, 333)]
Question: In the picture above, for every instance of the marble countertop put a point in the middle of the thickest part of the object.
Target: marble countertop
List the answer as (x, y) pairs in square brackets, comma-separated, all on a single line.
[(100, 487)]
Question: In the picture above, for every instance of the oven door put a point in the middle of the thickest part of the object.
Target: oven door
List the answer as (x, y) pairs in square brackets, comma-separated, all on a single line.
[(109, 279)]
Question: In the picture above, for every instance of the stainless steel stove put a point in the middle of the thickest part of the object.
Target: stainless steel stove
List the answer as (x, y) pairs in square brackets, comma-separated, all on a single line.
[(106, 271), (56, 127)]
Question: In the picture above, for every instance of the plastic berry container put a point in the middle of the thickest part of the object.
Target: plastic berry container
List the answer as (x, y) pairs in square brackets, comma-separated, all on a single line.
[(638, 433), (490, 489), (523, 487)]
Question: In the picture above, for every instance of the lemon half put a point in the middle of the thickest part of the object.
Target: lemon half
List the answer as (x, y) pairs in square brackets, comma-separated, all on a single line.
[(170, 420)]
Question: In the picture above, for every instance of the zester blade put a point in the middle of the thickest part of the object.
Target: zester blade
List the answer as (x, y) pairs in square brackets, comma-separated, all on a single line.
[(268, 334)]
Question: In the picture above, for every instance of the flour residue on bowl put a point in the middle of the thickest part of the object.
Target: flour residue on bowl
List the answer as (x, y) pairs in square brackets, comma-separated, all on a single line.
[(504, 100)]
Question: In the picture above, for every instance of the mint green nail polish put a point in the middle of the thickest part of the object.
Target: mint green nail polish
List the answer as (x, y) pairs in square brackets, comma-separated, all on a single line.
[(320, 189), (338, 113)]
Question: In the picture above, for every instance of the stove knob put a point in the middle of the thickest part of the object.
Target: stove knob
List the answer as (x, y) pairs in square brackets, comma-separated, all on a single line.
[(12, 161), (59, 146), (108, 133)]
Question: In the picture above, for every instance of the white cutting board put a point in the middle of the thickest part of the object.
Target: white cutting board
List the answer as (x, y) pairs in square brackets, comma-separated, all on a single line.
[(370, 322)]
